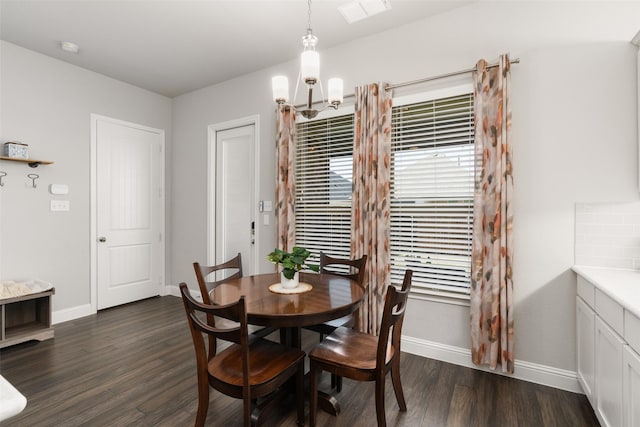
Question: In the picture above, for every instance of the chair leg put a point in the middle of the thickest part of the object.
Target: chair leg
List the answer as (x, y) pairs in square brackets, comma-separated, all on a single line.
[(313, 394), (397, 385), (380, 413), (246, 412), (300, 392), (203, 403)]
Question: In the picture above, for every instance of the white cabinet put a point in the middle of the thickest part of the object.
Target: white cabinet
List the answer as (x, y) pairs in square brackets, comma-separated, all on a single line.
[(631, 387), (608, 358), (608, 347), (585, 321)]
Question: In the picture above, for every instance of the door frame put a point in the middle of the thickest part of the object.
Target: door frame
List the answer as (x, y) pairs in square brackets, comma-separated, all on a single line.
[(93, 234), (211, 182)]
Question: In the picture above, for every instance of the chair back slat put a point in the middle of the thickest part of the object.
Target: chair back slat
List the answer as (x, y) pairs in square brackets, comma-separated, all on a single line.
[(208, 275), (331, 265)]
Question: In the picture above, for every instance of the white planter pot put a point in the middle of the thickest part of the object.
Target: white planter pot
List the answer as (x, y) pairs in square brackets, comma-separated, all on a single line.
[(289, 283)]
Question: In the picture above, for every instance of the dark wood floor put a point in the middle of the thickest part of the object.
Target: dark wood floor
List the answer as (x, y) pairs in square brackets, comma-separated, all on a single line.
[(134, 366)]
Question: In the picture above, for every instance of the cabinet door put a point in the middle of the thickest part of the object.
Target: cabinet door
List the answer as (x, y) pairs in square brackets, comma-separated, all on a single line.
[(585, 335), (631, 387), (608, 375)]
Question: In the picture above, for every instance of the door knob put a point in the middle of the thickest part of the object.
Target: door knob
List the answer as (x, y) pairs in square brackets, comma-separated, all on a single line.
[(102, 239)]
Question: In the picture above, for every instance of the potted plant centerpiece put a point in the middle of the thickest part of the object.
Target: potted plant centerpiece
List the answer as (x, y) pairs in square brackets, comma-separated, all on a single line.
[(291, 263)]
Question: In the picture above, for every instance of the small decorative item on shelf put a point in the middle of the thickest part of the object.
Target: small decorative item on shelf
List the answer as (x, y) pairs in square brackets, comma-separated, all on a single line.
[(291, 262), (16, 150)]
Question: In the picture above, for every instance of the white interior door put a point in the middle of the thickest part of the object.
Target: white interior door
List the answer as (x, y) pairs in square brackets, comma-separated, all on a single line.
[(234, 187), (129, 212)]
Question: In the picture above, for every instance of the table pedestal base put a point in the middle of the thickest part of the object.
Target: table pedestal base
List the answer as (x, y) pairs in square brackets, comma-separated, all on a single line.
[(328, 403), (263, 408)]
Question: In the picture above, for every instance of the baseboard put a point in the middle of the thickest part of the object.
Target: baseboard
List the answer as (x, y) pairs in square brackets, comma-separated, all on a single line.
[(526, 371), (72, 313), (172, 290), (175, 291)]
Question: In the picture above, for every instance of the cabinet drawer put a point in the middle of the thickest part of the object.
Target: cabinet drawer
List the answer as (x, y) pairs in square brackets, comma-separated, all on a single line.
[(610, 311), (586, 291), (632, 330)]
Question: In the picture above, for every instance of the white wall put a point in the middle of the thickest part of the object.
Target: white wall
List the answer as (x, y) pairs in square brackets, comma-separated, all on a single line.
[(574, 132), (47, 103)]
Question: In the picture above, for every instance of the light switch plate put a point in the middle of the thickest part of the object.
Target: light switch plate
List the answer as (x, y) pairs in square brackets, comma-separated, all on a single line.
[(59, 189), (268, 206)]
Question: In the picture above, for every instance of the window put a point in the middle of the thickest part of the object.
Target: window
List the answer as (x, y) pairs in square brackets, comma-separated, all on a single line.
[(432, 194), (431, 190), (323, 185)]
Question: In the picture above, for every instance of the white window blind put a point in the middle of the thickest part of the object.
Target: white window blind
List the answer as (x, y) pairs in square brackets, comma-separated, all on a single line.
[(432, 194), (323, 185)]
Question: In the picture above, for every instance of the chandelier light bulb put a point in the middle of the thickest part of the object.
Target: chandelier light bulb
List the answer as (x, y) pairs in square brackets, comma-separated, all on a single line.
[(310, 66), (280, 87), (335, 91)]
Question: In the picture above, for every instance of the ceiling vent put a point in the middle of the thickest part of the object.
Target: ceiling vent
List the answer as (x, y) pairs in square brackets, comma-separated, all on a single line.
[(360, 9)]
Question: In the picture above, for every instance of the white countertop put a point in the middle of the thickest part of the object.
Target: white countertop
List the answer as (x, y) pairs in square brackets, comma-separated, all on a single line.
[(12, 402), (621, 285)]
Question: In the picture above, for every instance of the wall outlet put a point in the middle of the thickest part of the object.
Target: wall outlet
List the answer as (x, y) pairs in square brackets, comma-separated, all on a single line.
[(59, 205)]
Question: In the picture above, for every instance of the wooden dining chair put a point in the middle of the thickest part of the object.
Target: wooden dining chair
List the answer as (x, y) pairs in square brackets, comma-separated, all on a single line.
[(363, 357), (246, 369), (341, 267)]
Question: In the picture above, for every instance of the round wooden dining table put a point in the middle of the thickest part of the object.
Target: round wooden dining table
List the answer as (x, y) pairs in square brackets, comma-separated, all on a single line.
[(330, 297)]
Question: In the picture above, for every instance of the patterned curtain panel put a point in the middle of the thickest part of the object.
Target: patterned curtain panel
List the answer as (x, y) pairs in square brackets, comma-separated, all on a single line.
[(492, 316), (285, 179), (371, 208)]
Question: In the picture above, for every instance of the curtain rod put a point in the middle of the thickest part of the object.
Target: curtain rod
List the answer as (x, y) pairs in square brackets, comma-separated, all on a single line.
[(424, 80), (442, 76)]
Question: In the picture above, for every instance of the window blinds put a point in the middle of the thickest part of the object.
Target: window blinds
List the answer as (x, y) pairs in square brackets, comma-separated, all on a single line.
[(323, 185), (432, 194)]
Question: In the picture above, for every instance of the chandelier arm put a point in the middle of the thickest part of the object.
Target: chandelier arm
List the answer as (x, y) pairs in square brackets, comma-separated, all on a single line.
[(295, 93), (322, 98)]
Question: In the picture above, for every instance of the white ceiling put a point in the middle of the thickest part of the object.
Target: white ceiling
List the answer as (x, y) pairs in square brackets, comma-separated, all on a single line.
[(174, 47)]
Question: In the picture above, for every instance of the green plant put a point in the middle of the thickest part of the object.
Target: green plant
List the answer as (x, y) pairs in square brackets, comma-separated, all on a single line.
[(293, 261)]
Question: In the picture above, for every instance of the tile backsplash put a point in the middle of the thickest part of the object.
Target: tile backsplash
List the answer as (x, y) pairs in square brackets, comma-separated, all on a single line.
[(608, 235)]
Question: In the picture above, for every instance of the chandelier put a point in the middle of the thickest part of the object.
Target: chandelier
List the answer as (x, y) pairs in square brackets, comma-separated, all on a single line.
[(309, 74)]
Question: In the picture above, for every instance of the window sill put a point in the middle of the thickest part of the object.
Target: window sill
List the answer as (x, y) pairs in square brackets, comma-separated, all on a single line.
[(441, 297)]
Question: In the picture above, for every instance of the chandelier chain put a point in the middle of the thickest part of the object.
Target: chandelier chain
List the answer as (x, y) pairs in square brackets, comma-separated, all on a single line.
[(308, 15)]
